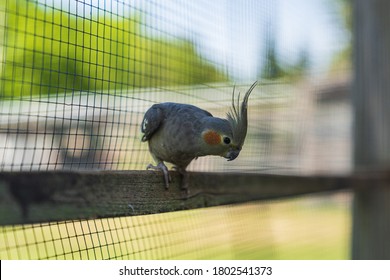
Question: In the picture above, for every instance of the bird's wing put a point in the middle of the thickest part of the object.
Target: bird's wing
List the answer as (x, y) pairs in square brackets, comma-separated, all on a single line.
[(152, 121)]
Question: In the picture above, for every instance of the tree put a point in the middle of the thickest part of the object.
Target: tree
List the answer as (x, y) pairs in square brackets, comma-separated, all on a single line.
[(273, 68), (342, 9), (49, 51)]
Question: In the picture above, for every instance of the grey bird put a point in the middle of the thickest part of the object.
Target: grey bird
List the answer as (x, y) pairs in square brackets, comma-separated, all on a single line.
[(178, 133)]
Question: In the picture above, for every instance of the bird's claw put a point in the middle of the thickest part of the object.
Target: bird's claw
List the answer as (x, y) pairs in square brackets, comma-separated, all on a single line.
[(167, 177), (161, 166), (184, 177)]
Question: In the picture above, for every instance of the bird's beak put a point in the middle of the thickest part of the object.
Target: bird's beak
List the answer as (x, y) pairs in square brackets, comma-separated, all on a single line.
[(232, 154)]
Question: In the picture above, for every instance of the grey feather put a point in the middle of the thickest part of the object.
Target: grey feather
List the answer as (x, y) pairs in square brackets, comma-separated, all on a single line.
[(152, 121), (238, 117)]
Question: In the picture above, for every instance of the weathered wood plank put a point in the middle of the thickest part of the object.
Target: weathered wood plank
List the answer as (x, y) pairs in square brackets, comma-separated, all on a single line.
[(54, 196), (371, 98)]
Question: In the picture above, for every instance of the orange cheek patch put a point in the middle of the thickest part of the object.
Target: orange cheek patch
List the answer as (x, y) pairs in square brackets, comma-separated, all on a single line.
[(212, 138)]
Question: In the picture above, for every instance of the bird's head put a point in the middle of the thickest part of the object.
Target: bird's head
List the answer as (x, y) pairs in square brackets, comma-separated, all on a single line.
[(225, 137)]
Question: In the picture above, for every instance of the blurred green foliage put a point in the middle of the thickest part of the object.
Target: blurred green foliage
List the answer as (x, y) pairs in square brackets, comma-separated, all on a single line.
[(47, 50), (342, 11), (275, 68)]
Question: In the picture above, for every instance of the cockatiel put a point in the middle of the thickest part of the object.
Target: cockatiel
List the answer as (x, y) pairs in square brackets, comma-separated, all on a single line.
[(178, 133)]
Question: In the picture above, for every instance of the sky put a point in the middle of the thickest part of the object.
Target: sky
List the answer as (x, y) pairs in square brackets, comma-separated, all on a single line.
[(231, 33), (313, 25)]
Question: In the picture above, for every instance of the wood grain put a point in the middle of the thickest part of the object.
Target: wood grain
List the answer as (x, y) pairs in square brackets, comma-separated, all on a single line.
[(27, 197)]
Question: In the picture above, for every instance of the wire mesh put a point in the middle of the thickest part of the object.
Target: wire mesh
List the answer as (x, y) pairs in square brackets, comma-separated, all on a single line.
[(270, 230), (76, 78)]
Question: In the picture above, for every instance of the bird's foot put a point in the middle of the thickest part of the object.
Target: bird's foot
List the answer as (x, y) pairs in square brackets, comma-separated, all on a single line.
[(161, 166), (184, 177)]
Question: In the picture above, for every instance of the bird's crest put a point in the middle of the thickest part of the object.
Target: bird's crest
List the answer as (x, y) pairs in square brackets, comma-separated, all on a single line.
[(238, 117)]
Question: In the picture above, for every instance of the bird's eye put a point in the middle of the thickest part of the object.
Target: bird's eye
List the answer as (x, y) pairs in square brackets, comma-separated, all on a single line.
[(226, 140)]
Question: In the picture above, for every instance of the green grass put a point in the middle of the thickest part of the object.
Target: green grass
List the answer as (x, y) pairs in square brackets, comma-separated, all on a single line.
[(314, 227)]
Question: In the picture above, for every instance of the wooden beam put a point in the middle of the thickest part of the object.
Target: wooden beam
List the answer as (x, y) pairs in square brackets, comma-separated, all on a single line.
[(27, 197), (371, 98)]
